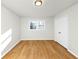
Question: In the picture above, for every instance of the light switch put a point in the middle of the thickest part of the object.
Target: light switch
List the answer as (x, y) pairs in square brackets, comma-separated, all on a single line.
[(59, 32)]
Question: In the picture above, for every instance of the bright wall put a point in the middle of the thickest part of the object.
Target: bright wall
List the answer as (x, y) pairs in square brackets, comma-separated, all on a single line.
[(47, 33), (66, 22), (10, 29)]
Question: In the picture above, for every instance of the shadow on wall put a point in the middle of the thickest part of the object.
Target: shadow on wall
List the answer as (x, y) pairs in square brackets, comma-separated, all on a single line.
[(5, 39)]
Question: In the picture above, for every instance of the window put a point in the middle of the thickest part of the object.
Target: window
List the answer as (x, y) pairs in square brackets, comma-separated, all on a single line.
[(37, 25)]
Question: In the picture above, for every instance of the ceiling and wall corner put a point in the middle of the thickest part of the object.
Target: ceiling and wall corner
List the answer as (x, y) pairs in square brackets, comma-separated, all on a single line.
[(2, 5), (27, 7)]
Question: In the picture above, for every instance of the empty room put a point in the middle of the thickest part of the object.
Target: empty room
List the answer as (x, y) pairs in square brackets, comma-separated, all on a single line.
[(39, 29)]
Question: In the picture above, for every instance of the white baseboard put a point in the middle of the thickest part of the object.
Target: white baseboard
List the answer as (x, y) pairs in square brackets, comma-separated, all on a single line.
[(10, 48), (72, 53), (36, 39), (68, 49)]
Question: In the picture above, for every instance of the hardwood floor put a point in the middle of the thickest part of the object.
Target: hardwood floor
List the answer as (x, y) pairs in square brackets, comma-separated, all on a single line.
[(39, 50)]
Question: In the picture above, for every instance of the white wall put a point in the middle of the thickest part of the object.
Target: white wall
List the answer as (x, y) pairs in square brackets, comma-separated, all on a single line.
[(66, 22), (9, 23), (48, 33), (61, 30)]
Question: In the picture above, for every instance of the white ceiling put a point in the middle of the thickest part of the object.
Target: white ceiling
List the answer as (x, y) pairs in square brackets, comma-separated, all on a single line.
[(27, 7)]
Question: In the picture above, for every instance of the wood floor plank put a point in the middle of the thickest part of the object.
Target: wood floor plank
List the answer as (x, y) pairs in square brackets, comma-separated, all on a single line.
[(39, 49)]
